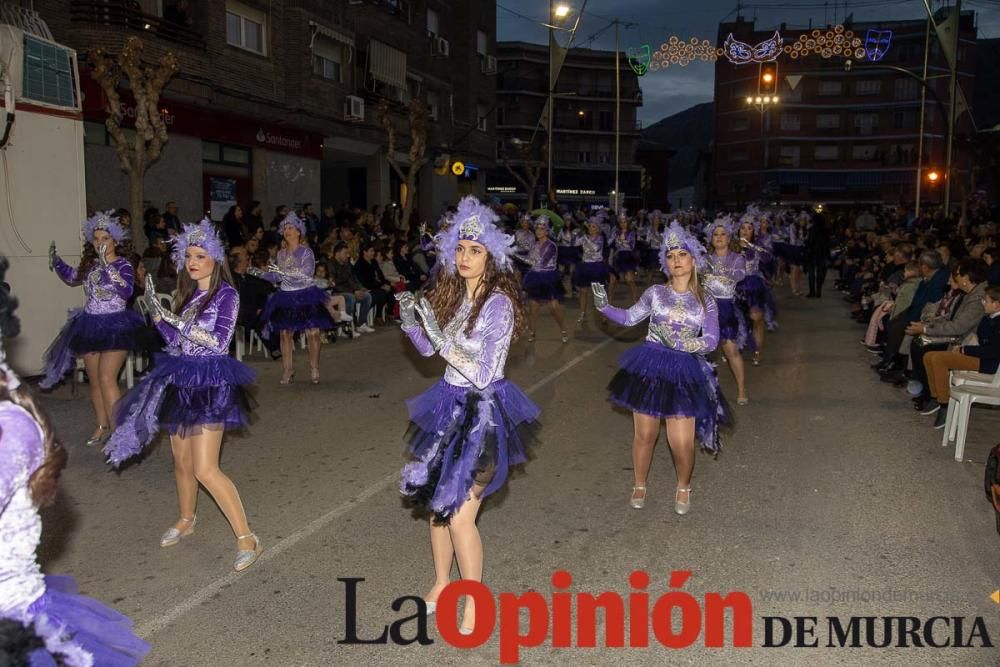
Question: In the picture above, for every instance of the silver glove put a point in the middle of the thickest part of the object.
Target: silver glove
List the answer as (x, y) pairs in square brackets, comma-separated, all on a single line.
[(275, 269), (149, 296), (255, 272), (600, 296), (407, 309), (102, 254), (434, 333), (52, 256)]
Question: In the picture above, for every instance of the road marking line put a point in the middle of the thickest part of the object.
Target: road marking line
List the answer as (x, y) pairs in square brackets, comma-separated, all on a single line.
[(158, 623)]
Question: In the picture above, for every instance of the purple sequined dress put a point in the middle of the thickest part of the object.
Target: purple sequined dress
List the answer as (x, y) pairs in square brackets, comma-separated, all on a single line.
[(625, 255), (78, 631), (672, 380), (298, 305), (105, 323), (543, 281), (194, 385), (592, 268), (724, 273), (753, 292), (473, 425)]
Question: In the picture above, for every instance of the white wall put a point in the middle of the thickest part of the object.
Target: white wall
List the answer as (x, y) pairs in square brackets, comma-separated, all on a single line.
[(280, 178)]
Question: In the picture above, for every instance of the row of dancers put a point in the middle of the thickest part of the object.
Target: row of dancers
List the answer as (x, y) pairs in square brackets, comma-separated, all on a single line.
[(465, 432)]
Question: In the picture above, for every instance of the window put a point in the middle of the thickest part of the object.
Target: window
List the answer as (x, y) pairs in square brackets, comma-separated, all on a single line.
[(433, 105), (866, 124), (481, 113), (226, 154), (584, 120), (328, 58), (433, 25), (482, 42), (868, 87), (245, 27), (606, 121), (827, 121), (48, 73), (739, 123), (583, 156), (790, 121), (789, 156), (738, 154), (829, 88), (235, 155), (827, 153), (905, 89), (906, 119), (864, 152)]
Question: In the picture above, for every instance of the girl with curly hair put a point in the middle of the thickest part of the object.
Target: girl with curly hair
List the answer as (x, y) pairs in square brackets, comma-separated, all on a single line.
[(473, 425)]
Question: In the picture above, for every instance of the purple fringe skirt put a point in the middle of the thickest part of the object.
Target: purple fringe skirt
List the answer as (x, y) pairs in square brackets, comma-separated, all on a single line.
[(733, 324), (79, 630), (590, 272), (753, 292), (655, 380), (87, 332), (543, 285), (182, 394), (461, 436), (296, 310)]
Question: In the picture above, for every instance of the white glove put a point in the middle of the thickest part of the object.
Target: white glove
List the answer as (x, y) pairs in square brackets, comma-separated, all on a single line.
[(102, 254), (600, 296), (407, 309), (434, 333)]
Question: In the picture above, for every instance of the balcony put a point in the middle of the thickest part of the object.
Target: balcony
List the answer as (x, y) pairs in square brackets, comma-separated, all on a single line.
[(130, 15)]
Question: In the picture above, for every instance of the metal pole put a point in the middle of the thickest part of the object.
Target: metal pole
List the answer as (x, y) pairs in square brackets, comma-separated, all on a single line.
[(923, 102), (548, 151), (618, 118), (953, 110)]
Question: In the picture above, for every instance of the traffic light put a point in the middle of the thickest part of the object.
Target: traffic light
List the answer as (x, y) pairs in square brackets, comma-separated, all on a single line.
[(768, 84), (934, 177)]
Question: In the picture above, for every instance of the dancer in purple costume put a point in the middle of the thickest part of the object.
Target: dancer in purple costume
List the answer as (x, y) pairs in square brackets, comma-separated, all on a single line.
[(543, 282), (667, 377), (467, 430), (104, 330), (753, 292), (625, 262), (73, 630), (196, 391), (725, 269), (298, 305), (592, 268)]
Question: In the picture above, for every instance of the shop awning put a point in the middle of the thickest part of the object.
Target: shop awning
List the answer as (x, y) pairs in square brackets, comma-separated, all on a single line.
[(330, 33), (387, 64)]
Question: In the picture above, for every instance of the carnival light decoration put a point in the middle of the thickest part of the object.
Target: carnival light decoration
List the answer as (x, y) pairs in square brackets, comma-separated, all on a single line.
[(639, 59), (740, 53), (675, 52), (877, 44), (838, 41)]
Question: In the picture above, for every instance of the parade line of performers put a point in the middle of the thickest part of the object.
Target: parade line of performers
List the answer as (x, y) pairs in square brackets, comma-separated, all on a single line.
[(465, 432)]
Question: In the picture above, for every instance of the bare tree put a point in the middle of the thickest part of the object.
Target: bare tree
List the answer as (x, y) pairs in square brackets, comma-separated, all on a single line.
[(146, 83), (530, 169), (417, 117)]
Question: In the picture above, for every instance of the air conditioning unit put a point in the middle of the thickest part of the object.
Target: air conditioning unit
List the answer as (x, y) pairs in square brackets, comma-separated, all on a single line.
[(354, 108), (441, 46), (488, 64)]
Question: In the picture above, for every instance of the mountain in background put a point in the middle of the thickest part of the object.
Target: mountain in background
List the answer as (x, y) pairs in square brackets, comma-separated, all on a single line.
[(688, 132)]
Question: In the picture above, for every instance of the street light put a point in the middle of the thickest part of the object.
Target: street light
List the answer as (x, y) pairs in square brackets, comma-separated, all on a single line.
[(561, 11)]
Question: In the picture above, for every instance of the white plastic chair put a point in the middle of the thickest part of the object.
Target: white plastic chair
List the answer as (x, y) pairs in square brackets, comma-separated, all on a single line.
[(967, 388)]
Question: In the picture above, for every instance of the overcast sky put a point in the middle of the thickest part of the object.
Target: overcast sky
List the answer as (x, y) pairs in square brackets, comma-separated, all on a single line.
[(654, 21)]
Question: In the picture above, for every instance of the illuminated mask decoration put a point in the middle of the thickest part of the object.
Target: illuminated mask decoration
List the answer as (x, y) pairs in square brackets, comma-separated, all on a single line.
[(740, 53), (877, 44), (639, 59)]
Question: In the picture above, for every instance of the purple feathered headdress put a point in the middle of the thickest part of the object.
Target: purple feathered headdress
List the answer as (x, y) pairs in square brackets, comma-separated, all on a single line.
[(109, 222), (752, 218), (294, 221), (474, 221), (676, 237), (202, 235), (542, 222), (724, 221)]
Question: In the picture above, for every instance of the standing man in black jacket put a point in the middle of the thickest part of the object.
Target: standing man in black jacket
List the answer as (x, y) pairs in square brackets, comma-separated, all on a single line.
[(817, 255)]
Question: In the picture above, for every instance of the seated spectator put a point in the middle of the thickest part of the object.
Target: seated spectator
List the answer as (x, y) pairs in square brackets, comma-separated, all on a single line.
[(407, 269), (336, 305), (980, 352), (165, 279), (370, 275), (992, 257), (898, 303), (934, 280), (347, 284), (170, 218), (254, 293)]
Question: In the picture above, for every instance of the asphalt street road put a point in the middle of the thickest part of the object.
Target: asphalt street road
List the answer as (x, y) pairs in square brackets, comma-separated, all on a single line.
[(832, 498)]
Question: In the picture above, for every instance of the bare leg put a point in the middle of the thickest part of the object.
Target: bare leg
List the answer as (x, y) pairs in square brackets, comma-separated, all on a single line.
[(312, 341), (680, 437), (109, 366), (757, 320), (91, 362), (557, 314), (612, 284), (205, 452), (468, 549), (735, 360), (287, 364), (187, 483), (443, 553), (583, 302), (646, 429), (532, 318), (630, 281)]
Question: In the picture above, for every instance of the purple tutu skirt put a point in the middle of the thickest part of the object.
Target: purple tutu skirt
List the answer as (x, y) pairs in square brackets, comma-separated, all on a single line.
[(87, 332), (655, 380), (78, 630), (296, 310), (590, 272), (753, 292), (625, 262), (651, 259), (462, 436), (733, 324), (543, 285), (567, 255), (182, 394)]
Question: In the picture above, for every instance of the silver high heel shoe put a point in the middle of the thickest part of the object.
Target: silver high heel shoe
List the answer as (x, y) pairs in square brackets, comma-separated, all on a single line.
[(682, 507), (637, 503), (103, 433), (247, 557), (173, 535)]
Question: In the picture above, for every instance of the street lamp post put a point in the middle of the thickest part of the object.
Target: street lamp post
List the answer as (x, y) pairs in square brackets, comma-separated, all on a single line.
[(556, 12)]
